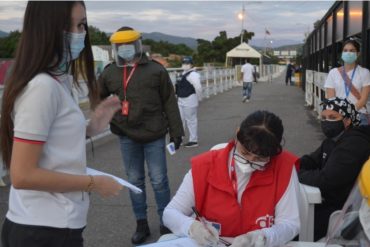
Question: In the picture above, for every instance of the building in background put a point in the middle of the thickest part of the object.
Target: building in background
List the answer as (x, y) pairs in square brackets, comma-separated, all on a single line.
[(285, 55)]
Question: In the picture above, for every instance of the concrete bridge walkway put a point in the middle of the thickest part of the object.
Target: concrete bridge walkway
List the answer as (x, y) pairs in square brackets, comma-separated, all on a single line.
[(111, 221)]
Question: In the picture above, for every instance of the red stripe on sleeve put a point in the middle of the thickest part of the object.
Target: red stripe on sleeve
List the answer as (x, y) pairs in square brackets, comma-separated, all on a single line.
[(16, 139)]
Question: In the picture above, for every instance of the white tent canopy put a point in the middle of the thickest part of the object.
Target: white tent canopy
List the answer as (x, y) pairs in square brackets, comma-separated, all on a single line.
[(243, 51)]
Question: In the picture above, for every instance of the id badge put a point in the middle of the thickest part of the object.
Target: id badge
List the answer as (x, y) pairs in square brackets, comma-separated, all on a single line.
[(215, 225), (125, 107)]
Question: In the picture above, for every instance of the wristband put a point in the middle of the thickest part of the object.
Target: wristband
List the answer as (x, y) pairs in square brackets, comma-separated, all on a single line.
[(91, 184)]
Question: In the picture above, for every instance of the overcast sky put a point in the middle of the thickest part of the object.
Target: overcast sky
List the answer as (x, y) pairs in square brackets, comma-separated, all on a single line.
[(196, 19)]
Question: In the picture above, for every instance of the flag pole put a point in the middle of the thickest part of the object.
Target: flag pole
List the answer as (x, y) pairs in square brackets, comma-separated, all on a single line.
[(242, 28), (265, 41)]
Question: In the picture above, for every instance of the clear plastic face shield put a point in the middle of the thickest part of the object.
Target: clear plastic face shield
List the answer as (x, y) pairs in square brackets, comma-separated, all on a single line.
[(127, 47), (127, 54), (352, 225)]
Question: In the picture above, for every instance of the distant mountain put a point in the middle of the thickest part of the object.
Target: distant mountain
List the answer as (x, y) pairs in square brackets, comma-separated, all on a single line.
[(3, 34), (156, 36), (258, 44)]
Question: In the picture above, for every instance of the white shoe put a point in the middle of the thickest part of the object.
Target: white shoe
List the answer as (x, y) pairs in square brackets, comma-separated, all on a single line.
[(244, 99), (247, 100)]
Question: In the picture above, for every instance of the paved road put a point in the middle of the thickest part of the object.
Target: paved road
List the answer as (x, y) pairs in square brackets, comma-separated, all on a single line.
[(111, 221)]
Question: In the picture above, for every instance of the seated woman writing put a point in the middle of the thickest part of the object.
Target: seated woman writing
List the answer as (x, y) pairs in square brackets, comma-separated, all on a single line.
[(247, 190)]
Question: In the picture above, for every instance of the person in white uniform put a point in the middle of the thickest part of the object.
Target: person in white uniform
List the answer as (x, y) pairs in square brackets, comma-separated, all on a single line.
[(43, 130), (350, 81), (189, 93)]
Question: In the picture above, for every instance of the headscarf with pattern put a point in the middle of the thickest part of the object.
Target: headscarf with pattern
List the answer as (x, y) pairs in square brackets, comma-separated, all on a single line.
[(343, 107)]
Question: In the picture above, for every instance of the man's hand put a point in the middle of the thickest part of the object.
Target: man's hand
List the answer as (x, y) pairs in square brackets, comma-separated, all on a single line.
[(177, 141), (102, 115)]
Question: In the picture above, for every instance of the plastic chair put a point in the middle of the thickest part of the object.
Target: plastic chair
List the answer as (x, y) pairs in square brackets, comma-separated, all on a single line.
[(308, 197)]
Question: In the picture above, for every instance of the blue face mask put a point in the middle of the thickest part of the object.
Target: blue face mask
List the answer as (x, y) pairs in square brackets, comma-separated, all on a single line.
[(349, 57), (76, 43), (127, 52)]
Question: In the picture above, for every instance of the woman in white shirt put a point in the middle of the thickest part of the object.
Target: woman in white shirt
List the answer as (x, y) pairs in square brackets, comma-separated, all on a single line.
[(350, 81), (247, 190), (43, 130)]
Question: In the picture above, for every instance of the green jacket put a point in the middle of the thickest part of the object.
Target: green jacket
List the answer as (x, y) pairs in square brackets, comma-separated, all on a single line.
[(153, 109)]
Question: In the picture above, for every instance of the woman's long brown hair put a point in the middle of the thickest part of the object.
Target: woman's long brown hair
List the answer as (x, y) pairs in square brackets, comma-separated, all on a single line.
[(40, 50)]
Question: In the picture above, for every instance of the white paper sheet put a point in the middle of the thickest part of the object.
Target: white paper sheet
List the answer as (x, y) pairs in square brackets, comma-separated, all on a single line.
[(177, 242), (132, 187)]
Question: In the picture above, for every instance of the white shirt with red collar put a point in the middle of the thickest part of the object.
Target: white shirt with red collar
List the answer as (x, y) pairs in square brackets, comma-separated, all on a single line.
[(46, 113)]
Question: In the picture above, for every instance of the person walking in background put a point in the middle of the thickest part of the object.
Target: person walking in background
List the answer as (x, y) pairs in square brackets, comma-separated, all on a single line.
[(189, 93), (333, 167), (41, 122), (247, 71), (289, 73), (350, 81), (149, 111), (228, 187)]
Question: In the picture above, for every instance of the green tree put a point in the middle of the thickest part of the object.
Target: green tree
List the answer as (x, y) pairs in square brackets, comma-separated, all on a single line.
[(8, 44), (205, 52), (215, 51), (98, 37)]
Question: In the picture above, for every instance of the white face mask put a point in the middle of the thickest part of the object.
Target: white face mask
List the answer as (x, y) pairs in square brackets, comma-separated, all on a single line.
[(186, 66), (127, 52), (76, 43), (244, 168), (247, 166), (365, 217)]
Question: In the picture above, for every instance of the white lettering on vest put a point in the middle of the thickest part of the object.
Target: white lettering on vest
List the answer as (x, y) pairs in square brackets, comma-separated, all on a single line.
[(265, 221)]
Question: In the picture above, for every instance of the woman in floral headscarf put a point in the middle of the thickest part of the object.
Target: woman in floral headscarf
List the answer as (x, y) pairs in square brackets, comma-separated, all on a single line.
[(335, 165)]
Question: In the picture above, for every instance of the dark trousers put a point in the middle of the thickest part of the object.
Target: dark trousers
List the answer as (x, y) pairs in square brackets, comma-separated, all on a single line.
[(322, 215), (17, 235), (288, 79)]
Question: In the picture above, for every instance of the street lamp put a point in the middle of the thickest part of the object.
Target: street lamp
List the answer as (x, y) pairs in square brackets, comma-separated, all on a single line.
[(241, 17)]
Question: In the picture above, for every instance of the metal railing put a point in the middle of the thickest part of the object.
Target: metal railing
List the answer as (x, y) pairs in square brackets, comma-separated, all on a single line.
[(314, 90)]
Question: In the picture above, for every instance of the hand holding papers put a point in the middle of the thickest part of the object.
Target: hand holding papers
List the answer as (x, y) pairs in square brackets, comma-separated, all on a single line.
[(123, 182)]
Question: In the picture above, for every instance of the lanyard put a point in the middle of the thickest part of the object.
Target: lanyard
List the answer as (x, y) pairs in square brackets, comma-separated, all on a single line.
[(348, 88), (233, 175), (125, 79)]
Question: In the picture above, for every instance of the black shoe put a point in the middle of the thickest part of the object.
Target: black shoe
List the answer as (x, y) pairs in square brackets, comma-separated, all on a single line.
[(164, 230), (142, 232), (191, 144)]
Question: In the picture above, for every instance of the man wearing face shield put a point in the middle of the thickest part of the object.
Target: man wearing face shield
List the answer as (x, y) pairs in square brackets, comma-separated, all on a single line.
[(352, 226), (335, 164), (149, 111)]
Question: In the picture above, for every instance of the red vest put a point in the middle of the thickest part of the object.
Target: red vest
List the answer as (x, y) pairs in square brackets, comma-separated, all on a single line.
[(215, 198)]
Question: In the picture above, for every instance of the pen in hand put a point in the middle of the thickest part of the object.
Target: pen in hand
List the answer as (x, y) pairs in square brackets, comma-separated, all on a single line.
[(204, 223)]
